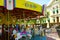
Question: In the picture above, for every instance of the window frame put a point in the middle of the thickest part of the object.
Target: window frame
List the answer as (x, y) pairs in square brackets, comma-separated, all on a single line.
[(54, 19), (53, 10), (57, 11)]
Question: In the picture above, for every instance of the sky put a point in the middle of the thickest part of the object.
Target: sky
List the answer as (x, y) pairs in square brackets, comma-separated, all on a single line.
[(41, 2)]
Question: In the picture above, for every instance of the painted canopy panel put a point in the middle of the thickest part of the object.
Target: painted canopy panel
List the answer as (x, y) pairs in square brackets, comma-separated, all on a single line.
[(25, 5), (28, 5), (1, 2)]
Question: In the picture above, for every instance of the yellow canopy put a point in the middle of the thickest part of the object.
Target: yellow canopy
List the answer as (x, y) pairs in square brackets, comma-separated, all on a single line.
[(25, 5), (1, 2), (28, 5)]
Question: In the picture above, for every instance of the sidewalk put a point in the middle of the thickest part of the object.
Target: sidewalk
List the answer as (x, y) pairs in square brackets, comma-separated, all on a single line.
[(39, 38), (53, 35)]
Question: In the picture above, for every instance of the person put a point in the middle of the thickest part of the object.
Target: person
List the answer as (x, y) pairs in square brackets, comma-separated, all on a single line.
[(13, 35), (3, 32), (41, 29), (16, 27), (11, 29), (36, 31), (28, 30), (0, 31), (6, 31), (23, 31), (32, 32), (19, 30), (14, 31)]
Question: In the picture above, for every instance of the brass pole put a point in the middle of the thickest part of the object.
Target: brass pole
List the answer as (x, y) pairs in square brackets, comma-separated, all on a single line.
[(24, 19), (8, 25)]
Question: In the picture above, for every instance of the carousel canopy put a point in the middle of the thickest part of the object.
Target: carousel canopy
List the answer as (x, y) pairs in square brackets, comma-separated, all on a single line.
[(24, 5), (20, 13), (1, 2), (28, 5), (23, 10)]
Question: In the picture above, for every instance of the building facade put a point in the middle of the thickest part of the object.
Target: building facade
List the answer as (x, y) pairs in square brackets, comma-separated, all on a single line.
[(54, 11)]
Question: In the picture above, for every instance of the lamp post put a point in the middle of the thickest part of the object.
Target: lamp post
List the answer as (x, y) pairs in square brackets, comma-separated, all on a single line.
[(48, 20)]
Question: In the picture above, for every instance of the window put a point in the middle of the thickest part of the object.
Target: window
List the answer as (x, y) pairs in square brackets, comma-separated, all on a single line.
[(53, 19), (47, 14), (44, 21), (57, 19), (53, 10), (57, 9), (37, 21), (48, 19)]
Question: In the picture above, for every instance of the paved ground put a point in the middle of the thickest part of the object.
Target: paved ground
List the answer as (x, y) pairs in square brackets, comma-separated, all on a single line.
[(42, 38), (38, 38), (53, 35), (48, 38)]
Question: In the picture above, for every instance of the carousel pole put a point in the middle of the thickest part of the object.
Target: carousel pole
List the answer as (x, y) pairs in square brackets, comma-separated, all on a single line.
[(8, 24), (9, 6), (24, 18), (48, 19)]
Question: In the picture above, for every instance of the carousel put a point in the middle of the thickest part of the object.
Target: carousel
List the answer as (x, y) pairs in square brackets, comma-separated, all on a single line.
[(19, 18)]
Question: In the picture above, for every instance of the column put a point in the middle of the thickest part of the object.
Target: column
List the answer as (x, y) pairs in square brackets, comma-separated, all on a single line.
[(48, 25)]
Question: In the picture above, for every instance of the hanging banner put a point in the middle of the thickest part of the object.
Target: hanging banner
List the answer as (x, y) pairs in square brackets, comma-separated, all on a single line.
[(9, 4)]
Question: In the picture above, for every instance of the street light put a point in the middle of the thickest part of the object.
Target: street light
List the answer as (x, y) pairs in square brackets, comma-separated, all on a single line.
[(48, 19)]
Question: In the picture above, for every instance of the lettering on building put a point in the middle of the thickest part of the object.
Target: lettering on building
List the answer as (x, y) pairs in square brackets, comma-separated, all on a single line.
[(30, 5)]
